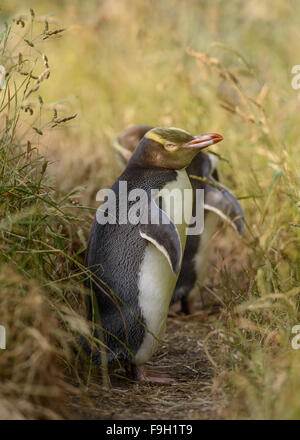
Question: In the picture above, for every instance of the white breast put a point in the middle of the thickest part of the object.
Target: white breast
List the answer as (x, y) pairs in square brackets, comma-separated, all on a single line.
[(201, 258), (156, 279)]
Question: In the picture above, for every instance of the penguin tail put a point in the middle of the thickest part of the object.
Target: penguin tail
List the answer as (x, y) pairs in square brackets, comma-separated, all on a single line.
[(92, 353)]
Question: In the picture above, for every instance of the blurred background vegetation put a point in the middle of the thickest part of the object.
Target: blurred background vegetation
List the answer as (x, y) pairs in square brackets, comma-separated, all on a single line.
[(123, 63), (203, 66)]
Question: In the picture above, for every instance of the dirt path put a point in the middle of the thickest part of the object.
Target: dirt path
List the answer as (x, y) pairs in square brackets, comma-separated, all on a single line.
[(184, 359)]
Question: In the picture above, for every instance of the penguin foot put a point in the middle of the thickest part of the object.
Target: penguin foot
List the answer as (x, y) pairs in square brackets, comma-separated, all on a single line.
[(142, 375), (186, 311)]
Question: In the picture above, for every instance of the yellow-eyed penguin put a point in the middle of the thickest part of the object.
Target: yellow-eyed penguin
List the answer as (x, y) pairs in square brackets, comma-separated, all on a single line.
[(219, 202), (134, 267)]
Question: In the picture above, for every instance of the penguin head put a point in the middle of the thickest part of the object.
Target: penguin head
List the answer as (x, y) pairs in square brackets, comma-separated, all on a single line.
[(170, 147), (125, 144)]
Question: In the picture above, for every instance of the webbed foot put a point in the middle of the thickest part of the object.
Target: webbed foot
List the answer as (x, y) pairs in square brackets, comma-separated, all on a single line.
[(142, 375)]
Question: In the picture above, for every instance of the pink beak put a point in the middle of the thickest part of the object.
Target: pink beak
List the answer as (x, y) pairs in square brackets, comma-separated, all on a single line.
[(203, 141)]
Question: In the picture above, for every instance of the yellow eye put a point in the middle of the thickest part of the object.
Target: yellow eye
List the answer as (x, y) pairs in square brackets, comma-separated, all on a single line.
[(171, 147)]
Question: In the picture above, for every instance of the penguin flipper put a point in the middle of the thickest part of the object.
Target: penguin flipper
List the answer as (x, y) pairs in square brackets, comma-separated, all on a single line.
[(165, 237), (218, 199)]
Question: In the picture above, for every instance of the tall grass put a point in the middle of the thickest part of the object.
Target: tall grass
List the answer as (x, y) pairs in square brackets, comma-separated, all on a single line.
[(256, 363), (39, 272)]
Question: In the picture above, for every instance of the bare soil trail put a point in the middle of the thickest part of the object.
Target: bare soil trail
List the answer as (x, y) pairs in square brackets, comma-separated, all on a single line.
[(183, 359)]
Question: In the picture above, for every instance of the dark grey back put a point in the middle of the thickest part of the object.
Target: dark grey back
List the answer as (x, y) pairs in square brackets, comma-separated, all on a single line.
[(114, 256)]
